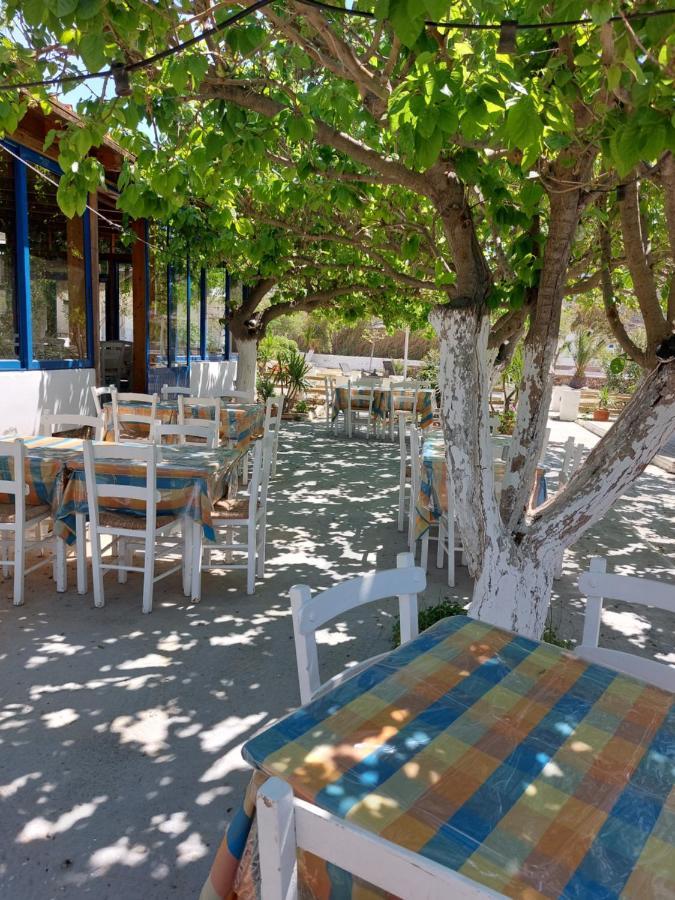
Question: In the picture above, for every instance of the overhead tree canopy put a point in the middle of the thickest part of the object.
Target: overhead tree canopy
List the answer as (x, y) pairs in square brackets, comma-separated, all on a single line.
[(475, 170)]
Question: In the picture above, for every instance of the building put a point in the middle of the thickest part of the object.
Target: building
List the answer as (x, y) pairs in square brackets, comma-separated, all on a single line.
[(77, 295)]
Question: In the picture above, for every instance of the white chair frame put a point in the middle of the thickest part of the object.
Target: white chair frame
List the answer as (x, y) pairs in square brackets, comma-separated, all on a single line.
[(403, 481), (286, 824), (311, 612), (129, 540), (171, 390), (401, 390), (255, 524), (329, 393), (97, 393), (206, 431), (52, 422), (571, 462), (597, 585), (354, 416), (150, 400), (17, 488), (272, 425), (203, 403), (415, 481), (238, 396)]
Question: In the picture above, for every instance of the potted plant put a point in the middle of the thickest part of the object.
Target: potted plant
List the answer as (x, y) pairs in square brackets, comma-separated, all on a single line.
[(266, 388), (601, 413), (301, 411), (507, 421), (292, 371)]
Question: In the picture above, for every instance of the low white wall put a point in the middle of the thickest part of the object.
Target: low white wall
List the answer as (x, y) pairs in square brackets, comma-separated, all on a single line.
[(25, 396), (211, 379)]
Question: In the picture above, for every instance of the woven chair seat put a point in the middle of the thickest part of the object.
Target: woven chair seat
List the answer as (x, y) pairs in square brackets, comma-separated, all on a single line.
[(85, 433), (231, 509), (108, 519), (8, 512)]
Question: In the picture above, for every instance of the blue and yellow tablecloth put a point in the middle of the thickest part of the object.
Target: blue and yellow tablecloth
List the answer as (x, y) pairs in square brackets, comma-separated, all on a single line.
[(240, 423), (432, 500), (508, 760), (189, 480), (46, 459), (382, 399)]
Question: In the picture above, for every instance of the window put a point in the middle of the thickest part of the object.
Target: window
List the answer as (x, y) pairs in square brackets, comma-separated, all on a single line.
[(58, 304), (45, 291), (216, 286), (158, 315), (9, 332), (178, 323)]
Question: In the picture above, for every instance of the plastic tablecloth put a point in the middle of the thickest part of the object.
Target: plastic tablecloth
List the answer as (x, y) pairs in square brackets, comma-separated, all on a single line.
[(46, 459), (508, 760), (382, 402)]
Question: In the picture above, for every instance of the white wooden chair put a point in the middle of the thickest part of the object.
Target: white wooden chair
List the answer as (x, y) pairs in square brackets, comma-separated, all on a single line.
[(205, 432), (213, 404), (120, 419), (169, 390), (133, 533), (311, 612), (239, 514), (286, 825), (398, 396), (97, 393), (449, 541), (571, 462), (238, 396), (329, 393), (17, 520), (272, 425), (359, 415), (597, 585), (404, 474), (415, 481), (59, 422)]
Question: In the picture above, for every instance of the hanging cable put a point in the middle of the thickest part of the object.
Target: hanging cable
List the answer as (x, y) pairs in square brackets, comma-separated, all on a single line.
[(38, 171), (120, 71)]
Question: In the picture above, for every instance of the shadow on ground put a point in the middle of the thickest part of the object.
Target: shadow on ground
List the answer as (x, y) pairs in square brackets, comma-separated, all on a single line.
[(120, 733)]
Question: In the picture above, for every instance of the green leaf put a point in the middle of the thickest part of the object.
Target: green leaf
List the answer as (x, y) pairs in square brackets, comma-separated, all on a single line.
[(523, 126), (92, 50), (601, 11), (87, 9), (617, 365), (64, 8), (299, 129), (613, 77)]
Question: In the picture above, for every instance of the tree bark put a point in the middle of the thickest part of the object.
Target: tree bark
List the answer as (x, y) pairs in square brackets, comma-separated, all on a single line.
[(247, 349)]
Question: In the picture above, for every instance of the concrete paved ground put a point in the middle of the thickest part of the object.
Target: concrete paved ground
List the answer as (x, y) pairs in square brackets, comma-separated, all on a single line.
[(120, 733)]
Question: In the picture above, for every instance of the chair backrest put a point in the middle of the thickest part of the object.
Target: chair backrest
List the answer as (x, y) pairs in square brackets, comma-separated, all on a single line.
[(116, 493), (170, 390), (329, 393), (71, 422), (357, 390), (13, 480), (401, 391), (238, 396), (287, 824), (312, 612), (274, 407), (493, 422), (145, 400), (571, 461), (97, 393), (197, 410), (368, 381), (415, 462), (597, 585), (260, 477), (205, 430), (345, 368)]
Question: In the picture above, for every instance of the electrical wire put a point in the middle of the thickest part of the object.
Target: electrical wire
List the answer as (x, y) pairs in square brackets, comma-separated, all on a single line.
[(476, 26), (317, 4), (142, 63)]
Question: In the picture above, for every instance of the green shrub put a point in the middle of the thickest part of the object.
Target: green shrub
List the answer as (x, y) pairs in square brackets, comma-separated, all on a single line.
[(428, 617), (272, 346)]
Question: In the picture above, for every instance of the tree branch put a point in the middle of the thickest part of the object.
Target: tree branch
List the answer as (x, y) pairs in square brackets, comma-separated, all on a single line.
[(609, 301)]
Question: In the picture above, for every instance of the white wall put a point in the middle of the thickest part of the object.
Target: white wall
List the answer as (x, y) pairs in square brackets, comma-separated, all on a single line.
[(25, 396), (213, 378)]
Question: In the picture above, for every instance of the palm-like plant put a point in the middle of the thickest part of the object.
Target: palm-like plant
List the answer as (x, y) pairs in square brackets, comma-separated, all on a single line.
[(583, 348), (292, 372)]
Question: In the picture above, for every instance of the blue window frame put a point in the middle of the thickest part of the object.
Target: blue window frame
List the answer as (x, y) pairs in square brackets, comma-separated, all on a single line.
[(26, 349)]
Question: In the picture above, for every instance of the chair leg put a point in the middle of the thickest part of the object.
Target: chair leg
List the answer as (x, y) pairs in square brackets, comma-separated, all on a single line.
[(244, 471), (60, 571), (19, 561), (81, 551), (451, 551), (196, 562), (440, 546), (148, 571), (123, 559), (187, 557), (96, 573), (262, 529), (424, 559), (558, 569), (250, 559), (401, 504), (4, 554)]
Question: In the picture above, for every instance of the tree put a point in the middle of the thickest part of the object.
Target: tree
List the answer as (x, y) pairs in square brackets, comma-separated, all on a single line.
[(495, 163)]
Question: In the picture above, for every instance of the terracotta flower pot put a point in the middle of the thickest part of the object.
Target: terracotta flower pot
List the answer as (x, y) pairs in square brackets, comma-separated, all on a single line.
[(601, 414)]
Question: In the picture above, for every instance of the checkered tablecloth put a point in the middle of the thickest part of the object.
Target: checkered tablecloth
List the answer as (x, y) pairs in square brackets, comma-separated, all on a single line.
[(432, 500), (507, 760), (46, 459), (240, 423), (382, 401), (189, 479)]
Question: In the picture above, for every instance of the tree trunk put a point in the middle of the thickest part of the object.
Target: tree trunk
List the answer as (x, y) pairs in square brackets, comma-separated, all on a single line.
[(246, 367)]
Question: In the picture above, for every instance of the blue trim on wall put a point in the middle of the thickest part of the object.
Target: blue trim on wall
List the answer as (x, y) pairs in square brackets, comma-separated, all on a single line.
[(202, 313), (23, 267)]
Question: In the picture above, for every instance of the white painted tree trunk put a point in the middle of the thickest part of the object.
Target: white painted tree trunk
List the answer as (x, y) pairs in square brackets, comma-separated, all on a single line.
[(247, 349)]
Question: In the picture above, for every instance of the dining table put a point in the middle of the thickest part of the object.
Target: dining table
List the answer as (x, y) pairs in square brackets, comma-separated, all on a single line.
[(240, 423), (190, 479), (382, 401), (431, 502), (508, 760), (46, 459)]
